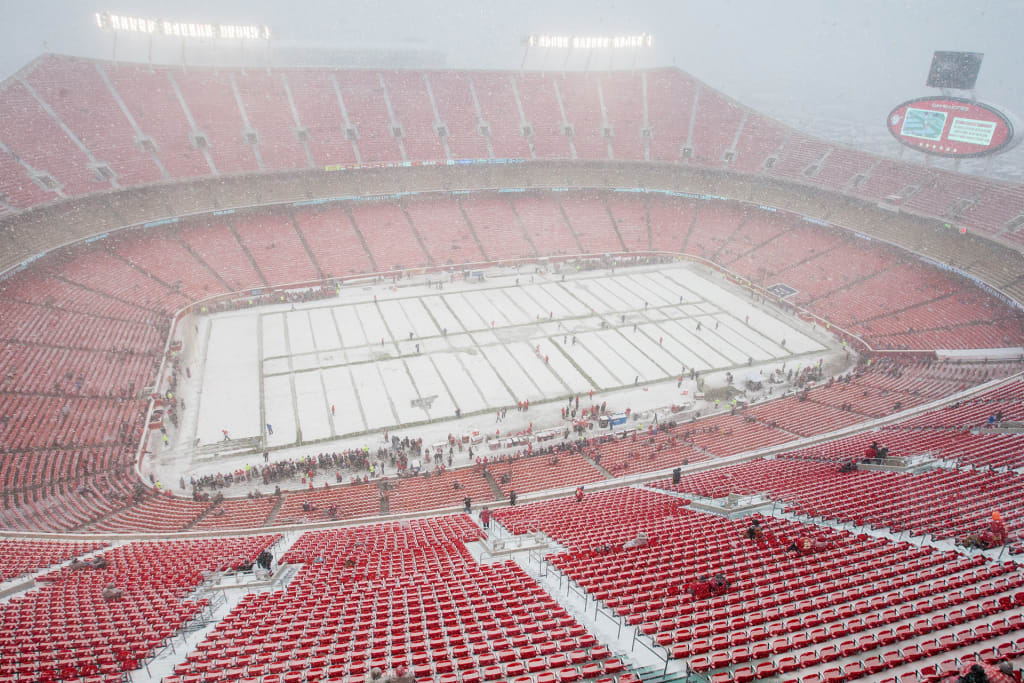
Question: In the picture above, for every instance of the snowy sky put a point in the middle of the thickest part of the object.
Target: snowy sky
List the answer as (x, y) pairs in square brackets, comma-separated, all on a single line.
[(817, 64)]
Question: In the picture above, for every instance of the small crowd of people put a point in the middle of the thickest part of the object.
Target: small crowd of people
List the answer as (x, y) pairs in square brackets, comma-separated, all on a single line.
[(704, 587), (98, 562), (872, 452), (272, 472), (361, 465), (326, 291), (875, 451)]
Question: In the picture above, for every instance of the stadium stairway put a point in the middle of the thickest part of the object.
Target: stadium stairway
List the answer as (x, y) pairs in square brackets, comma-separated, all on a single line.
[(272, 515), (495, 489), (222, 600), (600, 468), (472, 229), (642, 664), (203, 515)]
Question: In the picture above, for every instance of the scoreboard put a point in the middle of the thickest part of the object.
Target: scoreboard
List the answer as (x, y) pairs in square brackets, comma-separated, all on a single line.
[(950, 127)]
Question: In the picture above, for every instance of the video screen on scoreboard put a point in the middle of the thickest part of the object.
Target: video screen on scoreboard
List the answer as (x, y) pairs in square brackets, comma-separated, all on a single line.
[(924, 123), (972, 131)]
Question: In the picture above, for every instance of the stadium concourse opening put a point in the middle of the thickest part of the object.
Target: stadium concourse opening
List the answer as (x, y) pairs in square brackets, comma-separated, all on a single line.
[(465, 376)]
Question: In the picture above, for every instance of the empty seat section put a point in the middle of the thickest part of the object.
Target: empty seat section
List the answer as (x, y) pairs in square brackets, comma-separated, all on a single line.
[(459, 114), (213, 241), (209, 96), (670, 101), (544, 113), (632, 220), (401, 594), (585, 112), (502, 113), (621, 91), (150, 97), (388, 235), (77, 93), (362, 94), (545, 224), (33, 136), (276, 247), (715, 127), (588, 218), (496, 224), (446, 235), (270, 115), (316, 99), (335, 244), (414, 112)]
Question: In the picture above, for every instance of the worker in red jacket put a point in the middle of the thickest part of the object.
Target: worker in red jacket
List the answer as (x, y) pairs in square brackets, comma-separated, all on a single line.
[(995, 535), (699, 589)]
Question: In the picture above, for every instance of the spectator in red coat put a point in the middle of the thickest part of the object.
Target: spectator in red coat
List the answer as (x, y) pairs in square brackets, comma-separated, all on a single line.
[(700, 589), (808, 545), (872, 450), (996, 530), (993, 536)]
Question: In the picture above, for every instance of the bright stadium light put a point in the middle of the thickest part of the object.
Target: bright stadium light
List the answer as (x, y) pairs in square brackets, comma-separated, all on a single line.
[(180, 29), (589, 42), (568, 45)]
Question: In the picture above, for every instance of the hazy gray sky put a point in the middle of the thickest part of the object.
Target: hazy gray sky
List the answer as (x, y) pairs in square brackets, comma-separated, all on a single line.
[(785, 57)]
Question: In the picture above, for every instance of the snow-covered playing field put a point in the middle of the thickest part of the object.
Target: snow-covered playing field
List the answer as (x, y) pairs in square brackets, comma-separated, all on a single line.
[(381, 356)]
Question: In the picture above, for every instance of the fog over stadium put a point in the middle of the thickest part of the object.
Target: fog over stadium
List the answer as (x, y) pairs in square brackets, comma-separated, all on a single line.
[(833, 69), (511, 342)]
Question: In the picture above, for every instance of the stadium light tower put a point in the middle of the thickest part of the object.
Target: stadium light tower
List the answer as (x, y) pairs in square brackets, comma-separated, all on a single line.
[(118, 23), (569, 43)]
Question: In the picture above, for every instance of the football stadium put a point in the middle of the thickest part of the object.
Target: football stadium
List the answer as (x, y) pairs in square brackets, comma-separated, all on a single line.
[(365, 367)]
